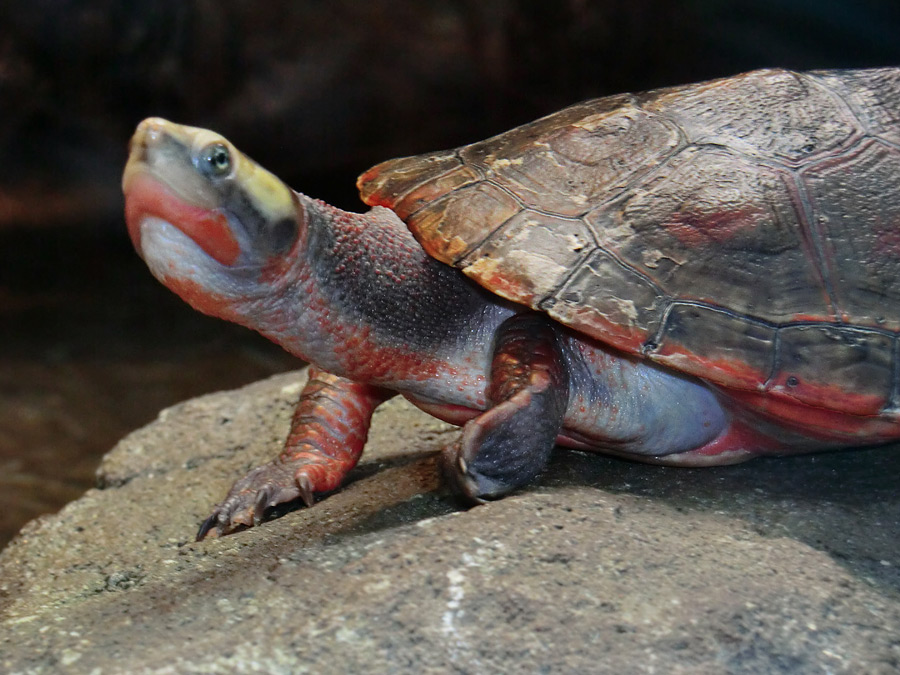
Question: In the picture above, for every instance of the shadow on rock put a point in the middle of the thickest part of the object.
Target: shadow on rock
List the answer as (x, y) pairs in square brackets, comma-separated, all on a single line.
[(844, 503)]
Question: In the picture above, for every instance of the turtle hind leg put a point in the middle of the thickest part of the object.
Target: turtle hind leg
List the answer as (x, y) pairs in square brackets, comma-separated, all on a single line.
[(510, 443)]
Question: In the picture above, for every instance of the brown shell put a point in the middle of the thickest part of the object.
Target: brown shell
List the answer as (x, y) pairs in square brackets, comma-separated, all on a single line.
[(744, 230)]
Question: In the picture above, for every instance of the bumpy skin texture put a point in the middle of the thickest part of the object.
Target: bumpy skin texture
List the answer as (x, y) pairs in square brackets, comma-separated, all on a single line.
[(620, 217), (328, 432)]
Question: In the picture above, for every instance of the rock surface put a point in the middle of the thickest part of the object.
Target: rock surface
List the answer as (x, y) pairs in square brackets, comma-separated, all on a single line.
[(777, 566)]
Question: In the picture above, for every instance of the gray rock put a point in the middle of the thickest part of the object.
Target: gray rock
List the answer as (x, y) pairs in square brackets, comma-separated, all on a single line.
[(777, 566)]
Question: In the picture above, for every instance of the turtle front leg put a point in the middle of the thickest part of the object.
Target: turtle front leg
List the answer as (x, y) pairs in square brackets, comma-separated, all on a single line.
[(328, 432), (509, 444)]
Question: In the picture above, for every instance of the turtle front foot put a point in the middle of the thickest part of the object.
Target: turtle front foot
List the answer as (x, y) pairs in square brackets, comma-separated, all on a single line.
[(509, 444), (255, 494), (328, 431)]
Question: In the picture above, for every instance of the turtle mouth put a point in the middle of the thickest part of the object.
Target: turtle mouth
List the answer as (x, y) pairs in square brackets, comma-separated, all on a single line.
[(147, 197)]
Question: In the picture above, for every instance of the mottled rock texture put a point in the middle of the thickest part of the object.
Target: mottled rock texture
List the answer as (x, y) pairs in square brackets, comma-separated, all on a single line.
[(776, 566)]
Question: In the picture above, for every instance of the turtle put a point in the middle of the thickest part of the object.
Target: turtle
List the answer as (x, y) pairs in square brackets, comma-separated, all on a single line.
[(689, 276)]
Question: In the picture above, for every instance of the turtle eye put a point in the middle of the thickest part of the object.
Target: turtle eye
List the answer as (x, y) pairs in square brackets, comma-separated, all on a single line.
[(215, 160)]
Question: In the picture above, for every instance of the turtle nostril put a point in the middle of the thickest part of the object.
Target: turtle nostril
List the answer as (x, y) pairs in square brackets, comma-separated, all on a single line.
[(150, 130)]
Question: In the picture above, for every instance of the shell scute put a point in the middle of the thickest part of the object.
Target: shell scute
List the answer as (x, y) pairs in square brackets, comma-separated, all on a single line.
[(873, 96), (572, 167), (856, 202), (609, 301), (427, 193), (537, 249), (713, 226), (739, 350), (775, 114), (812, 358), (449, 227), (388, 183)]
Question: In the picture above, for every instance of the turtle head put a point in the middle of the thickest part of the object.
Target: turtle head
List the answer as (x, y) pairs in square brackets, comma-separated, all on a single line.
[(194, 180), (208, 220)]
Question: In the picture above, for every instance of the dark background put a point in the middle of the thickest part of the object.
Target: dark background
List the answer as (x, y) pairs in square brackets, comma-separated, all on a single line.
[(317, 90)]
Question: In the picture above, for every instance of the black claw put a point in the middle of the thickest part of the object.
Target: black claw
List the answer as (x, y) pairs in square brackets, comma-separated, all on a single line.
[(207, 525)]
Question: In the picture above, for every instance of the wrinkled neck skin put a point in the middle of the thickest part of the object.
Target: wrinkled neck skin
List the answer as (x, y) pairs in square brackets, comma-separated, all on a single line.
[(359, 297)]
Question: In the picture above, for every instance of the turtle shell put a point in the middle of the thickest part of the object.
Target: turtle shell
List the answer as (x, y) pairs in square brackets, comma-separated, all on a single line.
[(743, 230)]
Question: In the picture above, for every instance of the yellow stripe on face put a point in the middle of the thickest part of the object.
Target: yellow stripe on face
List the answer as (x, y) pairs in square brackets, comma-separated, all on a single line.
[(271, 197), (170, 153)]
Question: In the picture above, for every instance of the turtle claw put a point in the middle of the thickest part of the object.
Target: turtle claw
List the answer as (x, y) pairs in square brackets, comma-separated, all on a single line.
[(254, 495), (263, 502), (208, 525), (304, 484), (456, 474)]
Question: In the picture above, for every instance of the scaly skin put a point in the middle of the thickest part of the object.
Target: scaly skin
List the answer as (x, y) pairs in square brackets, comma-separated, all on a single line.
[(510, 443), (355, 295), (328, 432)]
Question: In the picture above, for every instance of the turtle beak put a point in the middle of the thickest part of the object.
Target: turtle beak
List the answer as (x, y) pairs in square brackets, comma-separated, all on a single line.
[(152, 134), (137, 144)]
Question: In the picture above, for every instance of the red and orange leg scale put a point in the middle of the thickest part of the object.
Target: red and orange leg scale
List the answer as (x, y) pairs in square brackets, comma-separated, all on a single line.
[(328, 432)]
